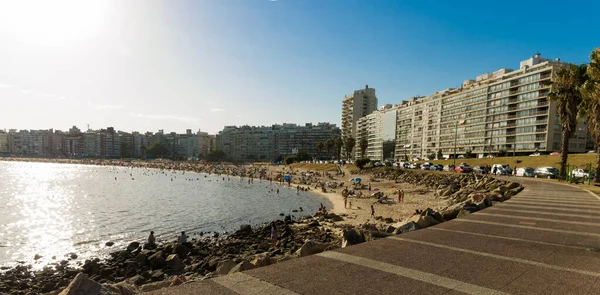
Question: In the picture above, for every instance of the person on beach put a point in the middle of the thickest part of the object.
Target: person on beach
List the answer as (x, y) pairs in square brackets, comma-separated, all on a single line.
[(274, 234), (372, 211), (345, 201), (182, 239), (151, 244)]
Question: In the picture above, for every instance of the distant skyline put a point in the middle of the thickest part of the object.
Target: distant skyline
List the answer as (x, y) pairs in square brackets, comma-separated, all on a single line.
[(176, 65)]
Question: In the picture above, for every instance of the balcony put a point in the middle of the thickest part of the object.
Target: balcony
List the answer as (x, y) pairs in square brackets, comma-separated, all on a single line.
[(542, 103)]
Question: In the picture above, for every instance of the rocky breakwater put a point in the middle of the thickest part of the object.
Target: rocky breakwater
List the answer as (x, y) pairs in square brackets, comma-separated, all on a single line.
[(463, 194), (135, 269)]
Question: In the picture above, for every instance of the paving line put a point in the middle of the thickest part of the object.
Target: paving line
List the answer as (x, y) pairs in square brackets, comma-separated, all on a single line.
[(494, 208), (520, 260), (538, 219), (529, 227), (574, 202), (507, 238), (505, 204), (244, 284), (576, 207), (413, 274)]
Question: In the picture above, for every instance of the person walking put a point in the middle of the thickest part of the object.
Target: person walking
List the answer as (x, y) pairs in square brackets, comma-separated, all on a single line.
[(372, 211), (274, 234)]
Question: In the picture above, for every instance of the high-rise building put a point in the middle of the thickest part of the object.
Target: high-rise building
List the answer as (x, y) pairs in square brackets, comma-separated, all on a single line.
[(379, 131), (504, 112), (355, 106), (3, 142)]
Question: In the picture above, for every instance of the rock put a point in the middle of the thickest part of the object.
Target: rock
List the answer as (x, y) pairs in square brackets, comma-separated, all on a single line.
[(242, 266), (81, 284), (261, 260), (182, 251), (137, 280), (73, 256), (133, 246), (388, 220), (37, 256), (284, 258), (225, 266), (423, 221), (174, 263), (109, 244), (352, 237), (245, 228), (141, 259), (156, 261), (512, 185), (314, 223), (310, 248), (157, 275), (405, 227), (463, 212), (388, 229), (155, 286)]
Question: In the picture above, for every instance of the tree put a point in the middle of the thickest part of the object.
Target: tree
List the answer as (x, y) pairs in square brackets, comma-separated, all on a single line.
[(440, 155), (468, 154), (216, 156), (566, 91), (339, 143), (320, 146), (431, 157), (290, 160), (502, 153), (303, 156), (590, 106), (349, 143), (157, 150), (360, 163), (364, 144), (330, 144)]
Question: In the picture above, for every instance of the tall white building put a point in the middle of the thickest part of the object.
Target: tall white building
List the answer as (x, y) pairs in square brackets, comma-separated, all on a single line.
[(355, 106)]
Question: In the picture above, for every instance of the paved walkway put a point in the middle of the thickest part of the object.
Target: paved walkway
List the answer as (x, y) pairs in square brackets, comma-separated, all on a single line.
[(546, 240)]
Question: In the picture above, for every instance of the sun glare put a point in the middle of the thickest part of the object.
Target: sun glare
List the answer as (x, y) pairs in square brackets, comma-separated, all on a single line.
[(52, 22)]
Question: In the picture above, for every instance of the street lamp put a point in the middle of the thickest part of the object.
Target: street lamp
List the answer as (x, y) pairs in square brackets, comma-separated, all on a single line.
[(461, 122)]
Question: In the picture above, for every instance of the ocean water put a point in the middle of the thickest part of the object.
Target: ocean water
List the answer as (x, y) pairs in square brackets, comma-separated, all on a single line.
[(56, 209)]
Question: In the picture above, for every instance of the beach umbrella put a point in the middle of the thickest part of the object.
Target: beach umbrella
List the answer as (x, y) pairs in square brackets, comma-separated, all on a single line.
[(358, 180), (351, 179), (286, 178)]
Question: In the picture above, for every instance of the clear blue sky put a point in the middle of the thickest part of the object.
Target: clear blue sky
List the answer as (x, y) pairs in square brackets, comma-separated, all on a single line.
[(149, 65)]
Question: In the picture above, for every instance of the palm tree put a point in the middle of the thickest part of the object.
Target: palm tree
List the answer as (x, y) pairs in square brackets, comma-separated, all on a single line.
[(591, 103), (330, 144), (320, 146), (364, 144), (566, 91), (339, 143), (349, 143)]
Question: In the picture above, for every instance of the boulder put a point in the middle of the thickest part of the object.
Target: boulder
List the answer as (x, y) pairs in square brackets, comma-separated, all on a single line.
[(406, 227), (242, 266), (352, 237), (156, 261), (81, 284), (310, 248), (155, 286), (141, 259), (132, 246), (174, 262), (245, 228), (225, 266), (512, 185), (261, 260), (423, 221), (182, 251), (109, 244), (157, 275)]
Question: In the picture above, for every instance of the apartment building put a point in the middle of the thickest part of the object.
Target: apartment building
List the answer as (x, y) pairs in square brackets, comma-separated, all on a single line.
[(268, 143), (379, 130), (507, 111), (355, 106), (3, 142)]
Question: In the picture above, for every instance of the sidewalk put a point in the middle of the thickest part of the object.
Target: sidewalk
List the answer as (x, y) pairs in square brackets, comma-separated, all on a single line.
[(545, 240)]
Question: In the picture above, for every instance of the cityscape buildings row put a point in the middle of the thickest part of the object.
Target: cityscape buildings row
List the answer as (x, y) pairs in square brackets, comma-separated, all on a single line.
[(504, 111), (103, 143), (269, 143)]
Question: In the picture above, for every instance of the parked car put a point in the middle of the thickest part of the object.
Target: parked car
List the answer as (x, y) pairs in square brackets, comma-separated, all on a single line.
[(378, 164), (525, 172), (501, 169), (463, 168), (480, 169), (413, 166), (545, 172), (555, 154), (581, 173), (535, 155), (426, 166), (436, 167), (591, 152), (449, 168)]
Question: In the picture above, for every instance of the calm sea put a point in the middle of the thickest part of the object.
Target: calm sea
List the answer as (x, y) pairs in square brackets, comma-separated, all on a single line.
[(56, 209)]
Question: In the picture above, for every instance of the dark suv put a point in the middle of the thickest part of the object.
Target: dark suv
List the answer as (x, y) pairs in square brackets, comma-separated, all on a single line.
[(545, 172)]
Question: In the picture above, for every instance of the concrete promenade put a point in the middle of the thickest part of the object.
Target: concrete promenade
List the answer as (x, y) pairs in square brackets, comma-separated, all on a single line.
[(545, 240)]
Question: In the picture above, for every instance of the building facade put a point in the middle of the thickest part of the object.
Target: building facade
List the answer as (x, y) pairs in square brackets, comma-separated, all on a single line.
[(379, 131), (355, 106), (269, 143)]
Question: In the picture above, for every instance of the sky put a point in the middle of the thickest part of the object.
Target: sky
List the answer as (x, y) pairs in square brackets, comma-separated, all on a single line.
[(145, 65)]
